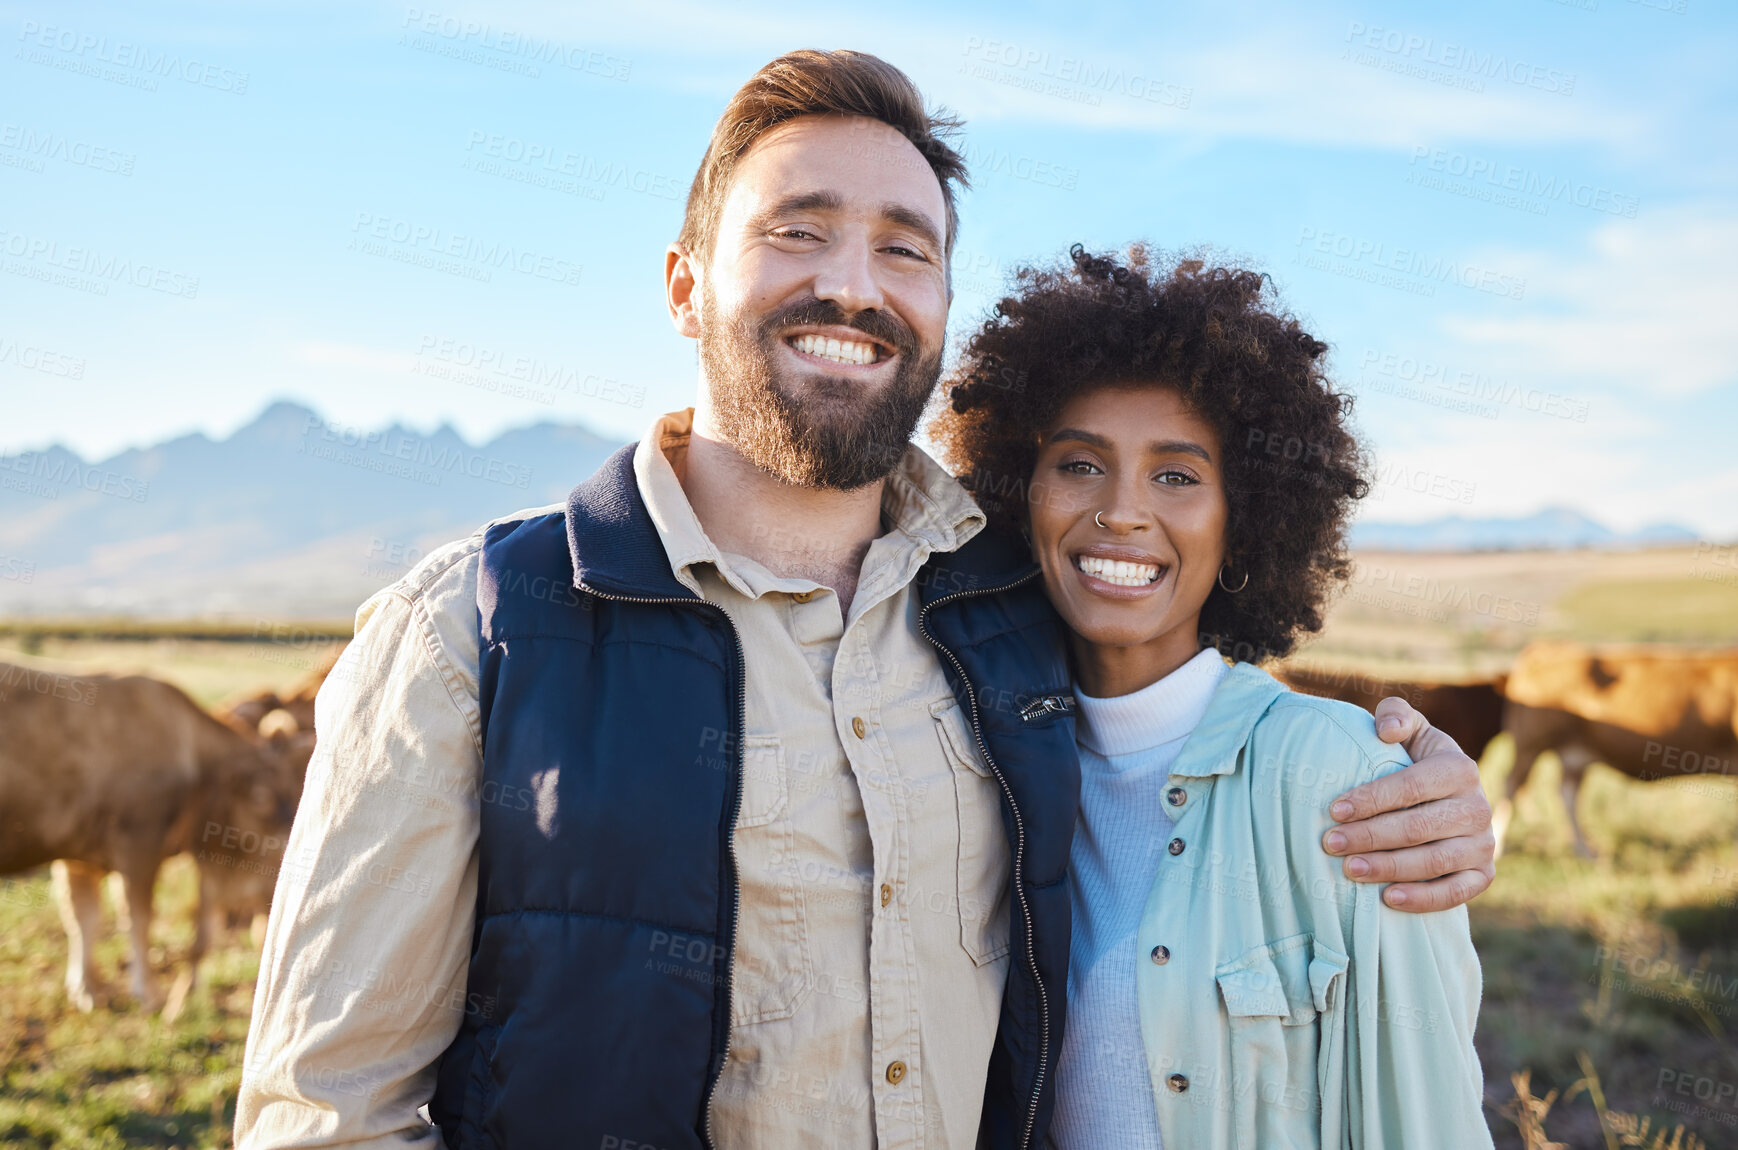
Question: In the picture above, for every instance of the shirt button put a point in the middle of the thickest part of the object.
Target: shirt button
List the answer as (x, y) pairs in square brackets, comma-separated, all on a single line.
[(1176, 846), (1161, 954), (1178, 1083), (859, 727), (886, 894), (896, 1072), (1176, 796), (803, 596)]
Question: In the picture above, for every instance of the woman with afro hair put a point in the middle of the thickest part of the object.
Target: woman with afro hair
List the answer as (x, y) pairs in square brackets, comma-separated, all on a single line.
[(1164, 437)]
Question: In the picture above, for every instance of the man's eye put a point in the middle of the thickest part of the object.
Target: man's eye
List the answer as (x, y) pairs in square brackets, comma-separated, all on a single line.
[(793, 234), (900, 250)]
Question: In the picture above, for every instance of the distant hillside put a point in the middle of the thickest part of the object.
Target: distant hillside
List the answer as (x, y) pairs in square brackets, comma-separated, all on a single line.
[(290, 516), (294, 517), (1554, 529)]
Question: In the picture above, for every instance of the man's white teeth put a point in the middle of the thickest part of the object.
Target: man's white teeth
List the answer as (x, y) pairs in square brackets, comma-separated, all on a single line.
[(1119, 572), (840, 351)]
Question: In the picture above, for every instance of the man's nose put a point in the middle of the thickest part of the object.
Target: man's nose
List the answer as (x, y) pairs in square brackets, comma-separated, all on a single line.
[(847, 276)]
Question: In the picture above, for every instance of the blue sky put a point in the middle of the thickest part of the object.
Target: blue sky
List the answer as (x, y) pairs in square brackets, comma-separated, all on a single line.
[(1515, 223)]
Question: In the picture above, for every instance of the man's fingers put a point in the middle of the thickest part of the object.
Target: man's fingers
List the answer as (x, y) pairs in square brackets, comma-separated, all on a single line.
[(1413, 827), (1396, 720), (1450, 890), (1422, 864), (1436, 777)]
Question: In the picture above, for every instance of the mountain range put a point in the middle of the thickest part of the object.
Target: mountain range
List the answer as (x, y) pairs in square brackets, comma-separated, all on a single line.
[(296, 517), (1553, 529), (291, 516)]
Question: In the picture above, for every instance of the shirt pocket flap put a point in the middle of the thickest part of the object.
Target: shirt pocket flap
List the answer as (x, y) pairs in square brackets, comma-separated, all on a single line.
[(1326, 966), (1253, 989), (956, 736)]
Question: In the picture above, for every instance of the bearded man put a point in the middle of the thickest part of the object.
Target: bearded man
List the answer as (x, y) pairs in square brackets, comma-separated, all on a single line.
[(729, 804)]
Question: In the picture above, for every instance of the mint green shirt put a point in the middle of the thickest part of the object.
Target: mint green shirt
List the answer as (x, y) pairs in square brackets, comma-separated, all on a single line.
[(1283, 1005)]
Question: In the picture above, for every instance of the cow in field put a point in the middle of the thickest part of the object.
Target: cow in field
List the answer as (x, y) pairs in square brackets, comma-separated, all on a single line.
[(103, 773), (1469, 713), (1648, 712), (250, 709)]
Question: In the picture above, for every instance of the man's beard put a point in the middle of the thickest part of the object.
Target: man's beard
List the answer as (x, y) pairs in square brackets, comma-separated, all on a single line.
[(818, 430)]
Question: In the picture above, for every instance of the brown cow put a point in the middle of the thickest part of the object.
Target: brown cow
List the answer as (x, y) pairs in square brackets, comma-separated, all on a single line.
[(1469, 713), (106, 773), (250, 709), (1648, 712)]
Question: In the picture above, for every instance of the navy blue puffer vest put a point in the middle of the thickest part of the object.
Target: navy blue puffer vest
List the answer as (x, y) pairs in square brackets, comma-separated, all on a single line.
[(612, 703)]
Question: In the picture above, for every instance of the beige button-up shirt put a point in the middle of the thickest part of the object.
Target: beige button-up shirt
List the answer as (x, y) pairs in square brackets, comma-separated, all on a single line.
[(873, 938)]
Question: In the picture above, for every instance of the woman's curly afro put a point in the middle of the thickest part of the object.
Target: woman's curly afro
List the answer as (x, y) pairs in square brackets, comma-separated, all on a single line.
[(1217, 336)]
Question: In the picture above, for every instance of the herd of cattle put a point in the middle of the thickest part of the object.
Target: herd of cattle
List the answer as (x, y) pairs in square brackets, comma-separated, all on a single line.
[(115, 774)]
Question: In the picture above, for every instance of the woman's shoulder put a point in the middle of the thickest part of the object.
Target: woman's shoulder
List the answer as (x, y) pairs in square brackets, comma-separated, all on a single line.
[(1298, 722), (1303, 746)]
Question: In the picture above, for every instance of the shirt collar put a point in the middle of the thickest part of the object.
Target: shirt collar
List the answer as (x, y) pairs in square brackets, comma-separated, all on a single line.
[(1158, 713), (920, 502), (1216, 747)]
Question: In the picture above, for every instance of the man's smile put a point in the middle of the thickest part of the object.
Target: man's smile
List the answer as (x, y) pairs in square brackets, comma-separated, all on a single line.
[(839, 346)]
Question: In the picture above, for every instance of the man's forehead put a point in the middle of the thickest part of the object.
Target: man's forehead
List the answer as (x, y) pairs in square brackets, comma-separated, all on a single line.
[(862, 161)]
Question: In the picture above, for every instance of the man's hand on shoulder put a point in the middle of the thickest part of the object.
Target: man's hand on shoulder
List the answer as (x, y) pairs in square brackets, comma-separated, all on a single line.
[(1425, 829)]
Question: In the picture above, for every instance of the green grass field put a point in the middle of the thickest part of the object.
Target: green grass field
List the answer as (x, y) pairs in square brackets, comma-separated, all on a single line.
[(1627, 965)]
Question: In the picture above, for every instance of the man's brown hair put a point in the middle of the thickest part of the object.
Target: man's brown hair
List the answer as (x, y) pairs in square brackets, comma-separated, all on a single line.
[(811, 82)]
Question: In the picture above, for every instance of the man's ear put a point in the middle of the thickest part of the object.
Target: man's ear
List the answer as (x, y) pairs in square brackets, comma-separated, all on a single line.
[(681, 287)]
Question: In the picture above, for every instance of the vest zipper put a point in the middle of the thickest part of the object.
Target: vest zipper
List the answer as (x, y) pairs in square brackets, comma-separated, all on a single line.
[(1019, 844), (735, 810)]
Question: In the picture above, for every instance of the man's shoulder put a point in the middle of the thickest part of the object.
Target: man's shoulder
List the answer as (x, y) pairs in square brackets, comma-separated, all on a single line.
[(446, 577)]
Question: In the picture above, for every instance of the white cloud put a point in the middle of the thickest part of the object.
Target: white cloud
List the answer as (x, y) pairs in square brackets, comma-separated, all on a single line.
[(1649, 305)]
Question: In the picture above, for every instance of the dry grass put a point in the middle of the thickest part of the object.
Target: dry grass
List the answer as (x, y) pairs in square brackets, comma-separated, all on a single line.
[(1609, 985)]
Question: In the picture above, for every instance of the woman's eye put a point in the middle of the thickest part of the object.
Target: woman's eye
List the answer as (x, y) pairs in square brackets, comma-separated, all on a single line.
[(1078, 467), (1176, 479)]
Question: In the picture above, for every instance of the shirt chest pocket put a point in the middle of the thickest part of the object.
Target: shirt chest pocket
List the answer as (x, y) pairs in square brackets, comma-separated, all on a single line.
[(981, 873), (1284, 1004), (771, 974)]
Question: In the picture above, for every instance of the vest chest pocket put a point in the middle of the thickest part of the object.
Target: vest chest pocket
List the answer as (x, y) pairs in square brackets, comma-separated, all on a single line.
[(771, 974), (1283, 1001), (982, 873)]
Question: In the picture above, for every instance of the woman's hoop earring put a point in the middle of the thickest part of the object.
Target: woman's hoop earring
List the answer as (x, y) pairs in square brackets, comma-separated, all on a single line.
[(1236, 589), (1099, 521)]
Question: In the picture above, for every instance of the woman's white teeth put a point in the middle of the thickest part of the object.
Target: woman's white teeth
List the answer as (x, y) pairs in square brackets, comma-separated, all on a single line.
[(840, 351), (1119, 571)]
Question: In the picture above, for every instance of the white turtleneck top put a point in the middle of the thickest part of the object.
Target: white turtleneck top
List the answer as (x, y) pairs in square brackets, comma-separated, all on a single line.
[(1104, 1095)]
